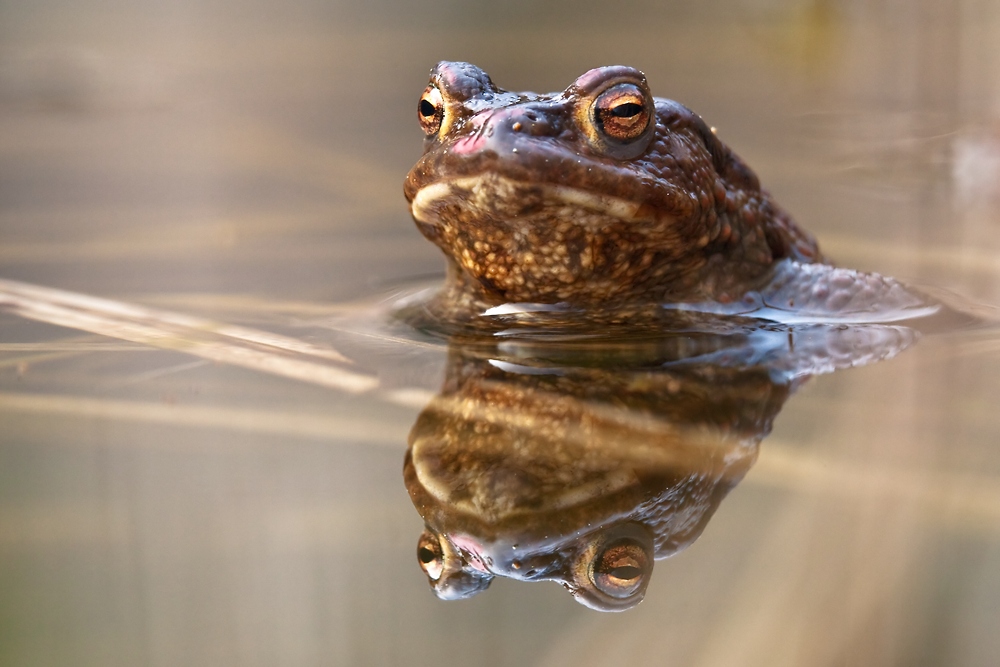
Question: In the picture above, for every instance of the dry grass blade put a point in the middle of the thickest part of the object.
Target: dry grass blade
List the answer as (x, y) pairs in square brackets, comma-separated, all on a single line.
[(239, 346)]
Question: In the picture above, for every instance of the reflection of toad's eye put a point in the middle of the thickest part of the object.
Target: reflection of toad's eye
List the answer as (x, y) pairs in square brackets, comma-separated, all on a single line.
[(620, 568), (430, 556), (430, 110), (621, 112)]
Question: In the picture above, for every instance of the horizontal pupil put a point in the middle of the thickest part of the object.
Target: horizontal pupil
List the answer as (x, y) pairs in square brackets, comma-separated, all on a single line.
[(626, 572), (626, 110), (426, 108)]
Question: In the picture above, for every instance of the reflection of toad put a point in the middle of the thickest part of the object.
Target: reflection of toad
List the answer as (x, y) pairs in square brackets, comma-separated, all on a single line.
[(608, 200), (583, 463)]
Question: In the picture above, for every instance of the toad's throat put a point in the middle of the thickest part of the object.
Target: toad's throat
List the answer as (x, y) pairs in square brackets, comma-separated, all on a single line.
[(523, 242), (491, 196)]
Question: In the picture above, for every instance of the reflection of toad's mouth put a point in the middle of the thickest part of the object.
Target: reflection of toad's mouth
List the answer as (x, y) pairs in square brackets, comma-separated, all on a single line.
[(492, 196), (500, 507)]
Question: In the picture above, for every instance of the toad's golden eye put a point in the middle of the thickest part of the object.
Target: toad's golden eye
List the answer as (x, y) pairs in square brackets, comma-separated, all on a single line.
[(622, 112), (430, 555), (430, 110), (620, 569)]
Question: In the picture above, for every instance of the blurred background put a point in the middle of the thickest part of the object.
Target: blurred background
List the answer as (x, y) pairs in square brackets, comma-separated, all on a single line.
[(244, 161)]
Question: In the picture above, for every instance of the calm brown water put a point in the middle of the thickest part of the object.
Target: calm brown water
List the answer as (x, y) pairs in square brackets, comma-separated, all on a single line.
[(243, 162)]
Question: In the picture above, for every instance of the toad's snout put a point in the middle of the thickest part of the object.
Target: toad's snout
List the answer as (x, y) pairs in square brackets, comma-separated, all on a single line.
[(503, 130)]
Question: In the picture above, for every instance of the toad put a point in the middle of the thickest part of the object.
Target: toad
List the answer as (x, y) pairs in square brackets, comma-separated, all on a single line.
[(603, 198)]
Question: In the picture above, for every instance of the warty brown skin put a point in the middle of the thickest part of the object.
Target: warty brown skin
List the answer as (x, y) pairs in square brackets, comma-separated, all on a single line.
[(669, 215)]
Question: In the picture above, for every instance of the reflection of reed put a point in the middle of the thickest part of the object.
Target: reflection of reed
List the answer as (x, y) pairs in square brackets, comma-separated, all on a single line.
[(964, 498), (256, 421)]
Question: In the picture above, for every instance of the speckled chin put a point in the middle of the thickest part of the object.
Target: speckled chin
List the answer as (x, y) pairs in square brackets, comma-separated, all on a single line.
[(544, 242)]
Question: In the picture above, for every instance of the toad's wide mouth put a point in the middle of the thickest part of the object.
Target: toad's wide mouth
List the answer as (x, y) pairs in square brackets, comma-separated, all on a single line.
[(496, 197)]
